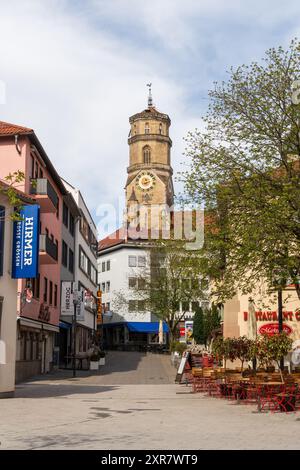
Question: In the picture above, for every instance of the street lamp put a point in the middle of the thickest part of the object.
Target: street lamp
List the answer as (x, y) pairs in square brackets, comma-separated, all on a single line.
[(279, 283), (76, 301)]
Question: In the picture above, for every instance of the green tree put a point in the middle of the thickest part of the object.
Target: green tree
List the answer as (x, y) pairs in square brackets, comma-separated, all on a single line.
[(273, 348), (245, 168), (9, 187), (212, 322), (171, 278)]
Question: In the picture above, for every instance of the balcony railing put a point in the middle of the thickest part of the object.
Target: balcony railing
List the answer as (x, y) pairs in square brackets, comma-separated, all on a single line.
[(43, 187), (48, 250)]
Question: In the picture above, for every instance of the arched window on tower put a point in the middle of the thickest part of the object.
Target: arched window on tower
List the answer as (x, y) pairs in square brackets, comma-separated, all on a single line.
[(160, 128), (147, 155), (147, 128)]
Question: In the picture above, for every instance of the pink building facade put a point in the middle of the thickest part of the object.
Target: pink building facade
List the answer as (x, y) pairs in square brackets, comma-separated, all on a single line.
[(38, 305)]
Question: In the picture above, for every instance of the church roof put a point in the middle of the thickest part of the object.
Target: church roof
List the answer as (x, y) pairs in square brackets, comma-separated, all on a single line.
[(7, 128)]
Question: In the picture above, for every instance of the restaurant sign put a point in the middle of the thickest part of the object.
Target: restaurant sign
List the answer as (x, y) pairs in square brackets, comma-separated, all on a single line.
[(272, 316), (272, 329)]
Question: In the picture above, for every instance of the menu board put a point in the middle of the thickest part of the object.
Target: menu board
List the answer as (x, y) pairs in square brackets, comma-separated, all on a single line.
[(182, 365)]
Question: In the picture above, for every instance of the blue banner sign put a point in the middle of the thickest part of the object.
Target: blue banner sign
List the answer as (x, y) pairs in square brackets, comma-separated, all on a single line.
[(25, 256)]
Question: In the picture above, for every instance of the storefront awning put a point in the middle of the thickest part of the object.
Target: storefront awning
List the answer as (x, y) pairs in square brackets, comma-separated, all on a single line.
[(65, 326), (146, 327)]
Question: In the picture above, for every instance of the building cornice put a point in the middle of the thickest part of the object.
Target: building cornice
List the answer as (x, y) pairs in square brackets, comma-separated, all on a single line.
[(151, 137)]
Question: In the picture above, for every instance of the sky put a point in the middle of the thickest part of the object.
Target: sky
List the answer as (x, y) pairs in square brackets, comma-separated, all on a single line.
[(75, 70)]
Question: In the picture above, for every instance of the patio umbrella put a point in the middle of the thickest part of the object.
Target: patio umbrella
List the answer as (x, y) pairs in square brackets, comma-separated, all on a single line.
[(252, 325), (161, 332)]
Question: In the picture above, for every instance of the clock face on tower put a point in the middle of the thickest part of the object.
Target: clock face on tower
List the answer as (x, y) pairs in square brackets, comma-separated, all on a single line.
[(145, 181)]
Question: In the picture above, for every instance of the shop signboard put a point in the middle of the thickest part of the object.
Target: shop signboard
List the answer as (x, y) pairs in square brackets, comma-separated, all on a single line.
[(189, 332), (67, 308), (272, 329), (25, 255)]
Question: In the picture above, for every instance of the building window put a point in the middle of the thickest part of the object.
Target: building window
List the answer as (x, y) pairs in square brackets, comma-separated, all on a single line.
[(71, 261), (142, 261), (108, 286), (87, 267), (65, 215), (103, 266), (45, 289), (84, 228), (50, 292), (132, 261), (93, 274), (103, 286), (83, 261), (35, 286), (160, 128), (55, 295), (107, 265), (141, 283), (107, 307), (147, 128), (147, 155), (2, 225), (64, 254), (141, 304), (32, 167), (72, 225), (132, 282), (132, 305)]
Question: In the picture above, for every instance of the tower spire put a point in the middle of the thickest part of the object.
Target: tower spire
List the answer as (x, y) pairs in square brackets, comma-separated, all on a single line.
[(150, 101)]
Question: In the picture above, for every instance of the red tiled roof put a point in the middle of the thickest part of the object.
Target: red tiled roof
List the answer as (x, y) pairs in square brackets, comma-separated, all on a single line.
[(113, 239), (23, 196), (12, 129)]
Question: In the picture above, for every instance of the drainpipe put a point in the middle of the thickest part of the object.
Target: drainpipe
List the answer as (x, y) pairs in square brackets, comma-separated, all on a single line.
[(17, 144)]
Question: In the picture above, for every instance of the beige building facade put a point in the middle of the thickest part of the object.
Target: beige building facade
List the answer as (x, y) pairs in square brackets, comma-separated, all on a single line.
[(236, 313)]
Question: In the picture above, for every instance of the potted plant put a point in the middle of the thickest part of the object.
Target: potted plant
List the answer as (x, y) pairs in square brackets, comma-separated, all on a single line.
[(273, 348), (102, 358), (94, 360)]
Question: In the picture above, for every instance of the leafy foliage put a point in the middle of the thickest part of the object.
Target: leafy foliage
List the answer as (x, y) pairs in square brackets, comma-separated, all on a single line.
[(13, 179), (245, 168)]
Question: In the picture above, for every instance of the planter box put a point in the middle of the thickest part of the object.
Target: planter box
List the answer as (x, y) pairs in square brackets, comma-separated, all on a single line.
[(94, 365), (102, 361)]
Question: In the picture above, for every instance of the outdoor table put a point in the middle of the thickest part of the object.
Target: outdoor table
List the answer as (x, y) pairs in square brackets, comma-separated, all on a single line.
[(267, 396)]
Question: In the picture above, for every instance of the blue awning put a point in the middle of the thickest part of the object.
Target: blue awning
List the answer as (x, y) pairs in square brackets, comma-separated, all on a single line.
[(146, 327), (64, 325)]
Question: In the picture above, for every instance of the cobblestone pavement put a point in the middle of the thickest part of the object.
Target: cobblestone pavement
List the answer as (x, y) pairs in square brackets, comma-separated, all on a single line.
[(133, 403)]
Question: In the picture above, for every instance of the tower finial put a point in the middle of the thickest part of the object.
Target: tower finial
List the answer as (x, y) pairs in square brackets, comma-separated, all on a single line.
[(150, 101)]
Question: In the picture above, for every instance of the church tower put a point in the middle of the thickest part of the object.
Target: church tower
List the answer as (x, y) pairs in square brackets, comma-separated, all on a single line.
[(149, 184)]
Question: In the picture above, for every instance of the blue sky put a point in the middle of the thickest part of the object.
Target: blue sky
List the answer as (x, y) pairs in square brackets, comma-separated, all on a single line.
[(76, 70)]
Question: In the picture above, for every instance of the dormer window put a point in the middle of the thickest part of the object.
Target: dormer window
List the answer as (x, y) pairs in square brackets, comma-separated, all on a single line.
[(147, 155), (147, 128)]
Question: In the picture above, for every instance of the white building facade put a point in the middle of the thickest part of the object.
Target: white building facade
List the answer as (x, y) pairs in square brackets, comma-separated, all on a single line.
[(85, 271)]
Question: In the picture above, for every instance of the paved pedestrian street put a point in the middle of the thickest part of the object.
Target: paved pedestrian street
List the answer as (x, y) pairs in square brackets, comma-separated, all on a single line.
[(133, 403)]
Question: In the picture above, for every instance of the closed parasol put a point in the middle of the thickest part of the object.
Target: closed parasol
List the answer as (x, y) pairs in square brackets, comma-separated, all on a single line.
[(252, 325)]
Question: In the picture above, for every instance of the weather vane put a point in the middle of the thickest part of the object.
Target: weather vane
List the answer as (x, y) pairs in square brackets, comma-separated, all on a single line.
[(150, 102)]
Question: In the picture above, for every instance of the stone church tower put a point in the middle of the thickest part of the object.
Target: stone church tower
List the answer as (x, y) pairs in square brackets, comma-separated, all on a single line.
[(149, 187)]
